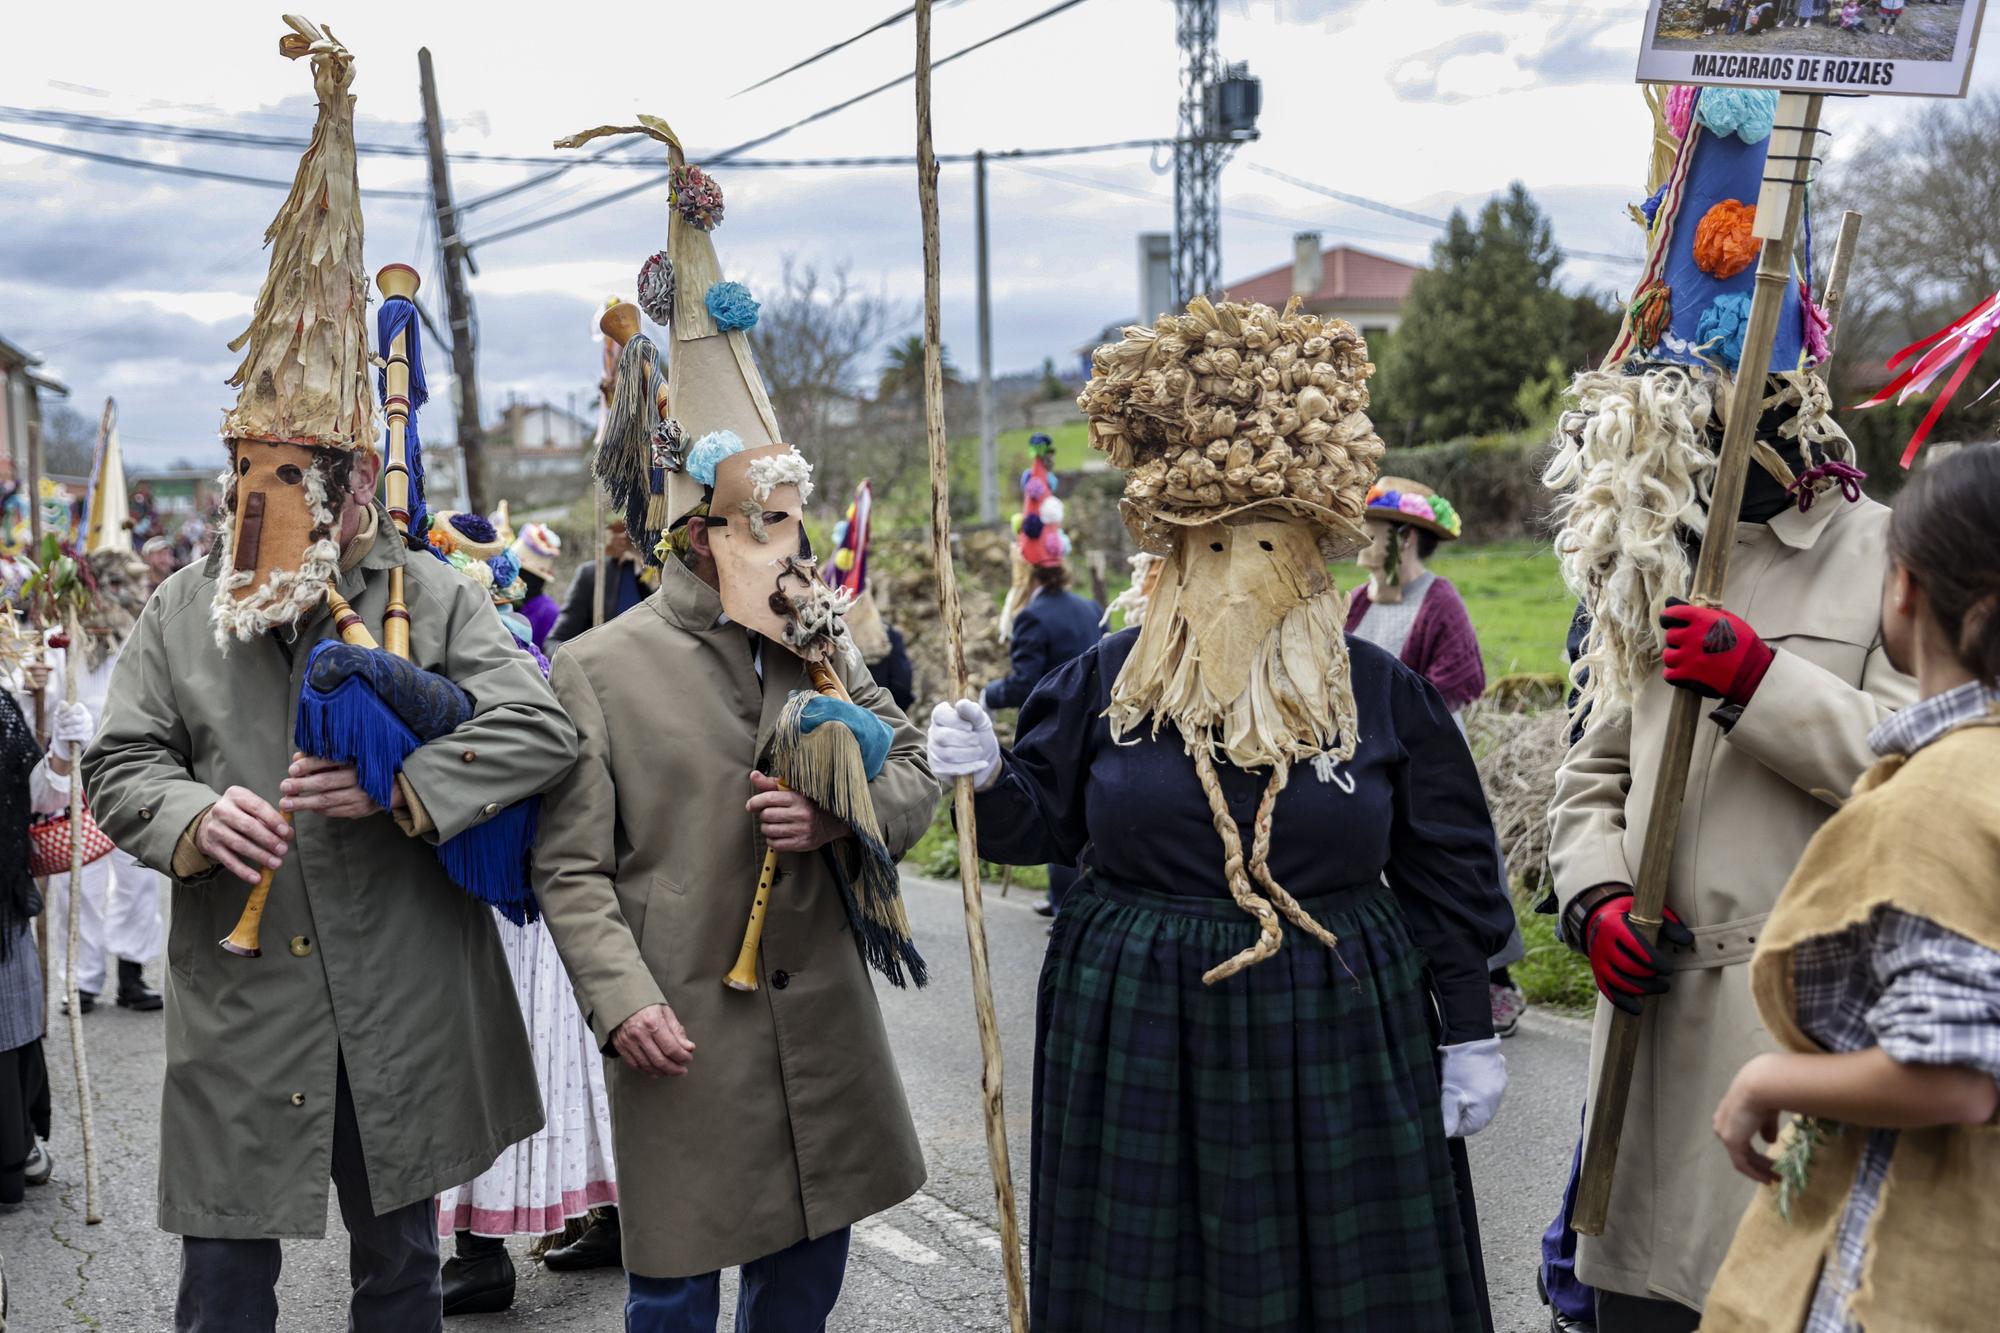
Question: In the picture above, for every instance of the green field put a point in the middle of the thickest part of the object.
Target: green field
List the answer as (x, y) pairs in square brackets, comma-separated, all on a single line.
[(1518, 604)]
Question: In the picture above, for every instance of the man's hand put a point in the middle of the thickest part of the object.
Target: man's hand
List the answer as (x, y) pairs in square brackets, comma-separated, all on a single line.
[(653, 1042), (36, 674), (1712, 652), (326, 788), (1624, 965), (788, 821), (243, 833)]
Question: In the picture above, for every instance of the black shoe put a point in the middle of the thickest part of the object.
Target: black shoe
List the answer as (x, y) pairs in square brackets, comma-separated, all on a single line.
[(600, 1246), (133, 992), (1045, 908), (479, 1279), (41, 1165), (86, 1002)]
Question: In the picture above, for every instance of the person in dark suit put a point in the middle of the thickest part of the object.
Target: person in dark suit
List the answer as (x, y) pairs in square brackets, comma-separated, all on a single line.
[(1053, 627), (630, 587), (892, 671)]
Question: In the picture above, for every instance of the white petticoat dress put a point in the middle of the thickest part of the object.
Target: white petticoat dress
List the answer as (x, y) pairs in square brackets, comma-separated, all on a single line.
[(566, 1168)]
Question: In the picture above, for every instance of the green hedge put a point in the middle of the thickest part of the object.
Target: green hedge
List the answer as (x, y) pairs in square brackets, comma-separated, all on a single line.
[(1493, 480)]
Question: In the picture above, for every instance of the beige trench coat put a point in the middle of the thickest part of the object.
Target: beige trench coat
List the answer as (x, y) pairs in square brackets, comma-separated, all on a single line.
[(792, 1121), (1810, 584), (370, 953)]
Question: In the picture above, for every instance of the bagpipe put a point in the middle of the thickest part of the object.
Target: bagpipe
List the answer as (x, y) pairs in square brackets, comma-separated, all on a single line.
[(368, 704)]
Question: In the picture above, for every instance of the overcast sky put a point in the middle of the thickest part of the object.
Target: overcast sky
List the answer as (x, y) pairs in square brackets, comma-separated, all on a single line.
[(131, 283)]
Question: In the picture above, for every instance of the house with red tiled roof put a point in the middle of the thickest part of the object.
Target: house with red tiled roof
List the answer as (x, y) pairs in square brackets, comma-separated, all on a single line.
[(1367, 290)]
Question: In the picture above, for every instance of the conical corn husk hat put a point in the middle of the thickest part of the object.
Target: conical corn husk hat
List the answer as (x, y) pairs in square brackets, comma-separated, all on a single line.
[(304, 392), (305, 377), (715, 386)]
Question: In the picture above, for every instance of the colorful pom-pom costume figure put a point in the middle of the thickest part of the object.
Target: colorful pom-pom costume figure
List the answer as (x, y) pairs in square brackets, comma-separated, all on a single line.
[(674, 830), (1791, 658)]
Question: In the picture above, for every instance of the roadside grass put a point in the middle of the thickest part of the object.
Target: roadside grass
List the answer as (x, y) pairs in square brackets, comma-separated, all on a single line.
[(1552, 975)]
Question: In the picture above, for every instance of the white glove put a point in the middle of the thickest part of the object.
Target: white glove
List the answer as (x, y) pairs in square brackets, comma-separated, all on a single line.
[(73, 729), (1475, 1078), (962, 744)]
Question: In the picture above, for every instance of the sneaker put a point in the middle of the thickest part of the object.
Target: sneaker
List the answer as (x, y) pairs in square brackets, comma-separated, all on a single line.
[(41, 1165), (1508, 1006)]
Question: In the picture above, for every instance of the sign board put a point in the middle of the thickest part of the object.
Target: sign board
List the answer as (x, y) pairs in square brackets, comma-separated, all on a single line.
[(1919, 48)]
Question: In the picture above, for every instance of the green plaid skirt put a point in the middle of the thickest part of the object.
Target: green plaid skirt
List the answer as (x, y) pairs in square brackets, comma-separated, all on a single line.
[(1266, 1153)]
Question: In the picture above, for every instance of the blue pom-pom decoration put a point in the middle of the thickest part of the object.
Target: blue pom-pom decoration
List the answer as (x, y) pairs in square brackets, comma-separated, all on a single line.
[(474, 527), (1651, 208), (1031, 526), (1747, 113), (731, 306), (1719, 335), (710, 450), (505, 570), (840, 531)]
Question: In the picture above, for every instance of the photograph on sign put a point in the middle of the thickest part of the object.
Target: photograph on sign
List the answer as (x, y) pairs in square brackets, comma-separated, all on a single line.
[(1910, 48)]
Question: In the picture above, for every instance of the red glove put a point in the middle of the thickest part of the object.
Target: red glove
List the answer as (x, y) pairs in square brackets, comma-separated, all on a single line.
[(1621, 960), (1713, 653)]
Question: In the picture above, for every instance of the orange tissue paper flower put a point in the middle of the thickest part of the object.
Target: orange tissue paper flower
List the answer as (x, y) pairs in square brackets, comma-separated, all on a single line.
[(1723, 245)]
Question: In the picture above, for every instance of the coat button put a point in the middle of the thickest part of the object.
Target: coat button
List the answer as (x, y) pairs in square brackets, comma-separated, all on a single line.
[(490, 810), (144, 813), (298, 1099), (469, 756), (301, 946), (780, 980)]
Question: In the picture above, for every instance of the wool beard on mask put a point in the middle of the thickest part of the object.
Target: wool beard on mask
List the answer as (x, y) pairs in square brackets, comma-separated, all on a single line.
[(1244, 650), (278, 539)]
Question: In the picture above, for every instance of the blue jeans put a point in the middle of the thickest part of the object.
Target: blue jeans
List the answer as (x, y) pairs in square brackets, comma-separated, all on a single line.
[(791, 1291)]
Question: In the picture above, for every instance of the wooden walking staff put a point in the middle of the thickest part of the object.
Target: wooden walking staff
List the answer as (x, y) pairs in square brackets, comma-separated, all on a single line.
[(91, 1215), (949, 617), (1786, 171)]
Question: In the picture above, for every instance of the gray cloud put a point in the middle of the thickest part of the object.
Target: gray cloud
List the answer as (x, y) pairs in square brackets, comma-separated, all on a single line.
[(1415, 77)]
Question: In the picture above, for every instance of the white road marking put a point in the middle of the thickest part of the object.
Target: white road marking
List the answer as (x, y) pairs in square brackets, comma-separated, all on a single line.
[(885, 1237), (942, 1215)]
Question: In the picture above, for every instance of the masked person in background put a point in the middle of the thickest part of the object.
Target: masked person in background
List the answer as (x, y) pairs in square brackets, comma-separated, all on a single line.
[(376, 1037), (1792, 657), (121, 898), (536, 550), (1044, 623), (1263, 1023)]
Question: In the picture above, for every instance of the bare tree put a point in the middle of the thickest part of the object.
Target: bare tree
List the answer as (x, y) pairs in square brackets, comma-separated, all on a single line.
[(69, 442), (810, 341), (1928, 192)]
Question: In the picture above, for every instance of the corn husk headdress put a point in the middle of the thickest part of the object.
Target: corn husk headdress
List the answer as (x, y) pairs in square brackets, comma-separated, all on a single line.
[(1245, 438), (305, 400), (1636, 455)]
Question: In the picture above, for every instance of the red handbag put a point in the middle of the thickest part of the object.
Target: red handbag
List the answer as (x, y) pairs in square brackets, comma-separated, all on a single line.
[(48, 844)]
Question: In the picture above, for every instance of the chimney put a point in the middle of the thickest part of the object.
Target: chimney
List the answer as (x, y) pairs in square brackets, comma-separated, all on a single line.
[(1305, 263)]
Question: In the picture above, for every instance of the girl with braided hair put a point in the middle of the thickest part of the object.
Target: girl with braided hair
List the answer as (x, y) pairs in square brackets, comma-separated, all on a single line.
[(1291, 882)]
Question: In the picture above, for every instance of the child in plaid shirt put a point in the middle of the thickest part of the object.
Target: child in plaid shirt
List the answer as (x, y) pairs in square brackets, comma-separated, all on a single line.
[(1880, 971)]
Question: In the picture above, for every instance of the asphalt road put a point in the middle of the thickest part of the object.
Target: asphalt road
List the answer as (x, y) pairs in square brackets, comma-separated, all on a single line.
[(933, 1263)]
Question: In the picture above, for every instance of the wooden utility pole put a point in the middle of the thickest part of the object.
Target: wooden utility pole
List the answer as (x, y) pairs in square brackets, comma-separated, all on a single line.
[(457, 296), (989, 441)]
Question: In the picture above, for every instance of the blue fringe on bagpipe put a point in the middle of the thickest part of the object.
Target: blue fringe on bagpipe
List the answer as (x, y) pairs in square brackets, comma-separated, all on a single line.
[(398, 314), (345, 715)]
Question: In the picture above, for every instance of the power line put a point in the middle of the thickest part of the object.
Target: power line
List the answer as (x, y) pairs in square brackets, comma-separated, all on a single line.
[(1362, 201), (889, 22), (1358, 200), (175, 169)]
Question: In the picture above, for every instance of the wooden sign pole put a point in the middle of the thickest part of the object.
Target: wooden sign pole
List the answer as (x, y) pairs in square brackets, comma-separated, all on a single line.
[(949, 617), (1779, 206)]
